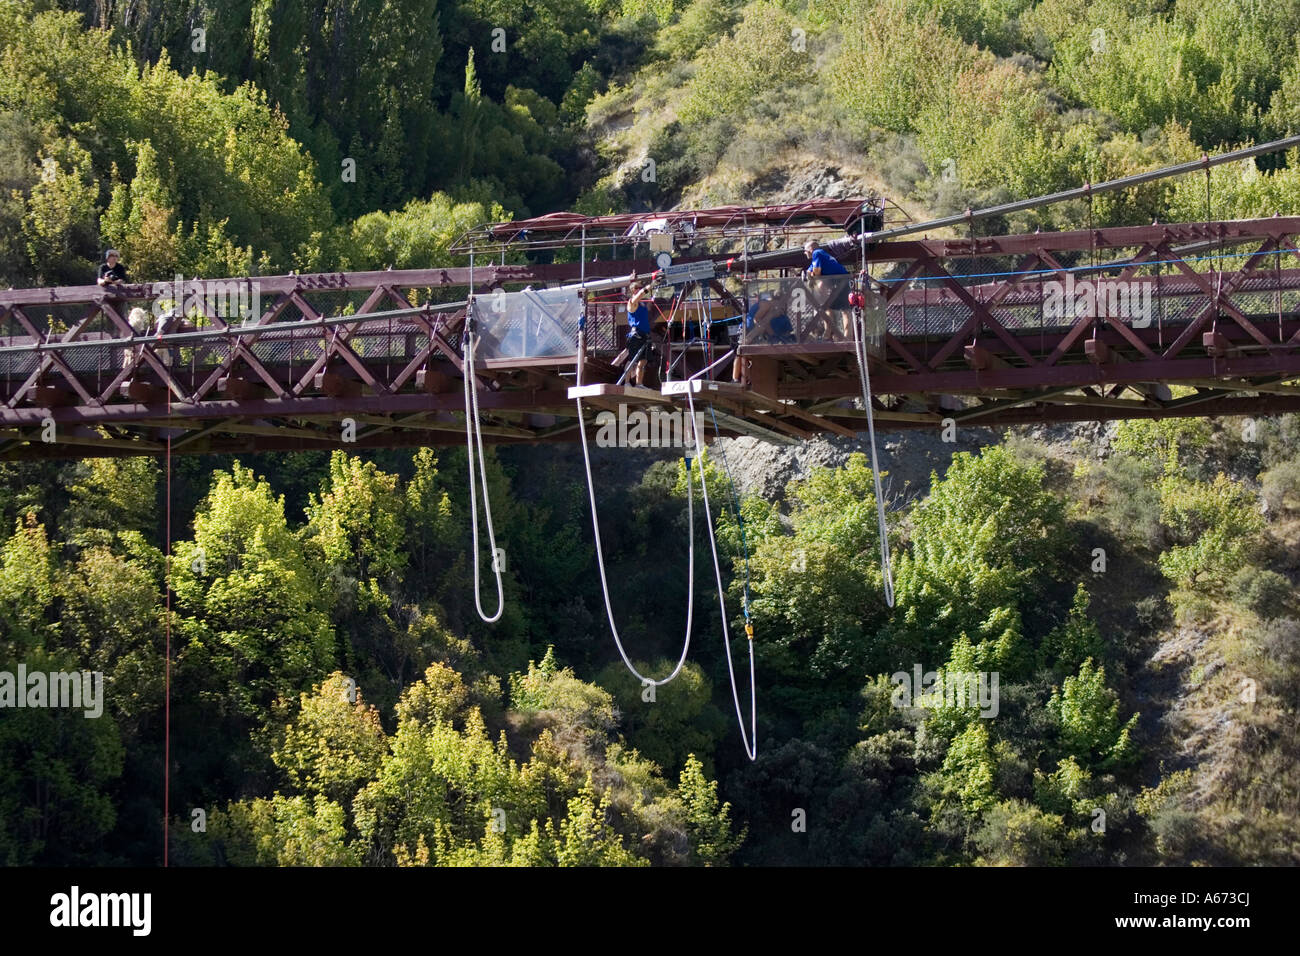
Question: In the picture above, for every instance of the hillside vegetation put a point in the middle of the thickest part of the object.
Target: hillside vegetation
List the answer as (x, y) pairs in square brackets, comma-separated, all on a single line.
[(335, 699)]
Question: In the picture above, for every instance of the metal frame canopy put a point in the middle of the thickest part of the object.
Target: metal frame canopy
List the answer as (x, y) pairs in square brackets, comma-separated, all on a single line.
[(564, 229)]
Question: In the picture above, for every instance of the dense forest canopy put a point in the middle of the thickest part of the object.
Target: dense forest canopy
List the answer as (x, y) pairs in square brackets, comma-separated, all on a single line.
[(335, 698)]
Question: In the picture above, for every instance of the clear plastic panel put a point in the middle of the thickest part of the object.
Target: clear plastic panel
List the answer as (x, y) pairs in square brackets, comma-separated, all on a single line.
[(800, 311), (874, 321), (533, 324)]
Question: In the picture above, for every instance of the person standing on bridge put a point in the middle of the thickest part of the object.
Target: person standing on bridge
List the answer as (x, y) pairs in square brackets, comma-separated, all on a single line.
[(822, 263), (638, 333)]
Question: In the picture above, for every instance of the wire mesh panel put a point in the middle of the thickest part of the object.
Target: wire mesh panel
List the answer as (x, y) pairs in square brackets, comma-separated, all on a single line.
[(799, 311), (602, 319), (1055, 302), (535, 323)]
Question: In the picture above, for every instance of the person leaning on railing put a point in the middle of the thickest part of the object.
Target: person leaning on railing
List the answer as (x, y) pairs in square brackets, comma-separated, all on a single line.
[(112, 274), (140, 321)]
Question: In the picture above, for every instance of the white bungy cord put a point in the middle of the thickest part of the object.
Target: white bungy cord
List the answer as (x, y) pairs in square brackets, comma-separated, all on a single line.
[(600, 563), (472, 428), (860, 349), (749, 740)]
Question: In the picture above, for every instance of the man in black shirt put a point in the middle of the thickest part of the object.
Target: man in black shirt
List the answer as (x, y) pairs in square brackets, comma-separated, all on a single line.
[(112, 274)]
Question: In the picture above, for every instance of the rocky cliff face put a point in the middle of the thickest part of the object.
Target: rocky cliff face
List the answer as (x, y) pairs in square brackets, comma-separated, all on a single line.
[(907, 458)]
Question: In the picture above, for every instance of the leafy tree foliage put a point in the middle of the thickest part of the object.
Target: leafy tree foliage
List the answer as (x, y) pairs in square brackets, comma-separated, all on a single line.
[(708, 823), (334, 743), (986, 541), (1088, 715), (679, 722), (1215, 525)]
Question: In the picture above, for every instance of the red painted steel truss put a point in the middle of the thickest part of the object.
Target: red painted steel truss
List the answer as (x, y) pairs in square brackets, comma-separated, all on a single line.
[(1151, 321)]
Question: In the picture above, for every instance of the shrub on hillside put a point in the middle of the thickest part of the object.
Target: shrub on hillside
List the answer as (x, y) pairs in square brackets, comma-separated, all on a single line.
[(1280, 486), (1152, 612), (1264, 592), (923, 56), (1215, 526)]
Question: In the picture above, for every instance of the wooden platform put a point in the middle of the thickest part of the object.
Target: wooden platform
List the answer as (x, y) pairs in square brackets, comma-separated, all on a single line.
[(755, 414), (609, 397)]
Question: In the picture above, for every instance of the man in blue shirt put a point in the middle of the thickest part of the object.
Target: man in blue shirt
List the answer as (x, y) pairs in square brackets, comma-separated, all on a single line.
[(638, 333), (822, 263)]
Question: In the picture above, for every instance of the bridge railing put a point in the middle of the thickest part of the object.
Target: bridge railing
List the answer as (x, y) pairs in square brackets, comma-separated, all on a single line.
[(1051, 304), (281, 332), (1173, 290), (808, 311)]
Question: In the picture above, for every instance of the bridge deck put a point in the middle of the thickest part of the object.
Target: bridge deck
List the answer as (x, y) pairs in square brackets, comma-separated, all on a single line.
[(1040, 328)]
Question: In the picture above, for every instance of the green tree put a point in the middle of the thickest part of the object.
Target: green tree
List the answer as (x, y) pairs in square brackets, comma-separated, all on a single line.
[(707, 823), (968, 773), (679, 722), (334, 744), (585, 838), (1215, 526), (112, 494), (1017, 833), (59, 224), (440, 784), (1087, 713), (986, 544), (281, 831), (111, 617), (414, 237), (582, 710), (27, 576), (757, 55), (356, 525), (58, 775), (924, 59), (250, 626), (187, 190), (817, 595), (1075, 640)]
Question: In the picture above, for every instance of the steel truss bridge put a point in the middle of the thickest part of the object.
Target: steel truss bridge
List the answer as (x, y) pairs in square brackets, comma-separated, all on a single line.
[(1129, 322)]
